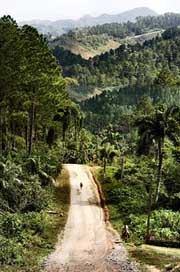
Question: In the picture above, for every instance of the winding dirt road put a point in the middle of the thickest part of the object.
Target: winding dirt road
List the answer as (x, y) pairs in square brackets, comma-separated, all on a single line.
[(87, 245)]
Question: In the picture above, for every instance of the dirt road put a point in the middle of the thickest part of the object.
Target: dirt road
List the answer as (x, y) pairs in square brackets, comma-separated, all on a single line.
[(87, 245)]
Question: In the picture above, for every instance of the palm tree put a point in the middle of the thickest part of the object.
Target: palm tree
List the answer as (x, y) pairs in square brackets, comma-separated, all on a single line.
[(107, 153), (153, 130)]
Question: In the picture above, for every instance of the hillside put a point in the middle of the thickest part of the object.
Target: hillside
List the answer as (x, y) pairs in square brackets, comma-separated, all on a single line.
[(56, 28), (95, 40), (128, 65), (89, 46)]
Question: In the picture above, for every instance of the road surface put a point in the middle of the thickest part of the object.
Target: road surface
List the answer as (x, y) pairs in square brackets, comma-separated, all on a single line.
[(87, 244)]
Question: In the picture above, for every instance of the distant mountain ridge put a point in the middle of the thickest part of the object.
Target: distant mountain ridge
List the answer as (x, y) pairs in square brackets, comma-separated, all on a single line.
[(59, 27)]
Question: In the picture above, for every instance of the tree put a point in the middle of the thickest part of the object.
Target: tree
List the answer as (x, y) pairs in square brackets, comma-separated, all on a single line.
[(32, 89), (43, 84), (153, 129), (107, 153), (145, 106), (10, 55), (165, 78)]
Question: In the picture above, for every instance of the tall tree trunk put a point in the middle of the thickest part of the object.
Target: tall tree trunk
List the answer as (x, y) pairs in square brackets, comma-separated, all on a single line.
[(104, 165), (97, 148), (149, 212), (13, 132), (1, 130), (26, 135), (31, 127), (122, 167), (160, 163), (4, 130)]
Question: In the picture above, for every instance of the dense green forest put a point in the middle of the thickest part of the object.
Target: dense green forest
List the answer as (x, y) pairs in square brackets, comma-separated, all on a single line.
[(131, 130), (127, 65), (35, 117)]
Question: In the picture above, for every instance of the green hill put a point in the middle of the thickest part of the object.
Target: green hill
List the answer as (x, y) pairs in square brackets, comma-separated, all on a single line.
[(87, 46), (96, 40), (128, 65)]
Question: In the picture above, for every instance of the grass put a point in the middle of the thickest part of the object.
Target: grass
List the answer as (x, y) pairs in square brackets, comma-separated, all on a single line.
[(160, 257), (59, 206), (90, 46), (175, 252), (56, 217)]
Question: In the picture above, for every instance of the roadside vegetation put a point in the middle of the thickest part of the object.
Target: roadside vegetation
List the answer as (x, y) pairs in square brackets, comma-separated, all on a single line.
[(28, 236)]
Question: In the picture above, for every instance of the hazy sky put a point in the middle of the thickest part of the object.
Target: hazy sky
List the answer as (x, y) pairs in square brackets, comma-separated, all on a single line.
[(61, 9)]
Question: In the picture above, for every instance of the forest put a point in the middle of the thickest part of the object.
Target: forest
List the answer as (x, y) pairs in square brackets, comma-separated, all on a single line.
[(35, 115), (131, 130), (128, 65)]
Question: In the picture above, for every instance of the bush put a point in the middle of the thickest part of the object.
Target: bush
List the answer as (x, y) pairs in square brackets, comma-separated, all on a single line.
[(13, 224), (164, 225), (10, 251), (23, 197), (18, 232)]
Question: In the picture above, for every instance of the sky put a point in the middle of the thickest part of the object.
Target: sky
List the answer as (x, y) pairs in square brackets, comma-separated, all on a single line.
[(53, 10)]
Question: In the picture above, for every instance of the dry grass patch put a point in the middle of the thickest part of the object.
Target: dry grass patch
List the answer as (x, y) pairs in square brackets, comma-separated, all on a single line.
[(162, 258), (59, 207)]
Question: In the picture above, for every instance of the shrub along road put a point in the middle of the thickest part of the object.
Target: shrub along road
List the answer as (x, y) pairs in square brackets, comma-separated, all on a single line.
[(87, 244)]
